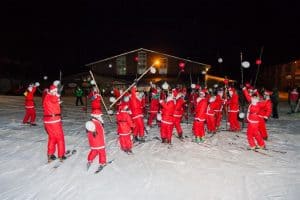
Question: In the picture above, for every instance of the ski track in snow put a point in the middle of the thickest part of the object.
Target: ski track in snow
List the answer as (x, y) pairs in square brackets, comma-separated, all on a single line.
[(218, 169)]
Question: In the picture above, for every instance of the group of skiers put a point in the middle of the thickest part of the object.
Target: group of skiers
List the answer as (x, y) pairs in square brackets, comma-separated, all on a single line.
[(167, 107)]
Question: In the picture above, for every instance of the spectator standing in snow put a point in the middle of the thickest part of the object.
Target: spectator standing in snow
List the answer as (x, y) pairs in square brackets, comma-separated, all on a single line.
[(275, 100), (78, 93)]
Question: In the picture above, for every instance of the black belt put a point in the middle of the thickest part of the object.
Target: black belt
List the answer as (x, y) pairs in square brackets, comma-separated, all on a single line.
[(52, 115)]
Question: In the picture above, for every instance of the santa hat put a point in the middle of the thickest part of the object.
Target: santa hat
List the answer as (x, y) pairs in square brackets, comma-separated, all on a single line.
[(197, 86), (123, 107), (202, 93), (231, 89), (248, 85), (30, 88), (56, 82), (52, 88), (174, 92), (154, 91), (267, 93), (179, 95)]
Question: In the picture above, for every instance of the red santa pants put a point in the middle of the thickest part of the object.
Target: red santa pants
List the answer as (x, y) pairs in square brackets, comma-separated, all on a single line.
[(30, 113), (211, 123), (166, 130), (177, 125), (218, 118), (55, 137), (262, 128), (152, 116), (139, 127), (233, 121), (100, 152), (125, 142), (253, 134), (198, 128)]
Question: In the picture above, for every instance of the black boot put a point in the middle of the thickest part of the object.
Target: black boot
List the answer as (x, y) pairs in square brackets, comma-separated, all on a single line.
[(51, 158), (61, 159)]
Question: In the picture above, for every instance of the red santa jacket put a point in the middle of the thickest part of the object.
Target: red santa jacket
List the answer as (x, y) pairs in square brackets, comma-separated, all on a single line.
[(29, 103), (252, 113), (265, 108), (96, 102), (212, 106), (179, 110), (125, 123), (97, 138), (135, 105), (294, 95), (233, 103), (219, 104), (167, 111), (52, 111), (200, 111)]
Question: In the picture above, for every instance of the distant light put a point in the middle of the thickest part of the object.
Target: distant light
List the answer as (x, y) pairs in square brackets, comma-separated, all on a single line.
[(220, 60), (258, 61), (110, 65), (245, 64), (203, 72), (157, 62), (45, 77), (136, 58), (181, 64)]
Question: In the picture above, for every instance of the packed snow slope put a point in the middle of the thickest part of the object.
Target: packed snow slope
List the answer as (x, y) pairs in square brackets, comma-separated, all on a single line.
[(221, 168)]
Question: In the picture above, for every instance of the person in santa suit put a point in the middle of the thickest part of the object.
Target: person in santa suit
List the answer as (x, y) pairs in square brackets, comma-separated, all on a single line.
[(30, 112), (210, 115), (167, 119), (193, 97), (255, 139), (233, 110), (154, 105), (200, 117), (53, 123), (219, 108), (96, 138), (178, 112), (124, 129), (95, 98), (264, 114), (135, 105)]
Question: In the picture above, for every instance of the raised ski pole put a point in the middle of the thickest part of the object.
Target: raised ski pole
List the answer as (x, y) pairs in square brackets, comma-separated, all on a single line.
[(133, 84), (92, 75)]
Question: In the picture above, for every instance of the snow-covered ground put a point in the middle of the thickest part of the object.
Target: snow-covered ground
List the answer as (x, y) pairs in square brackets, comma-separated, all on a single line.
[(219, 169)]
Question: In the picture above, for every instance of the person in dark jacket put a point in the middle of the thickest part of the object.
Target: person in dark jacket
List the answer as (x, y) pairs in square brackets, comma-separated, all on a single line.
[(275, 100), (78, 93)]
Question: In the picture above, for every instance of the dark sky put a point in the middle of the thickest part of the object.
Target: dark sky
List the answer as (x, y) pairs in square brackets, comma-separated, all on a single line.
[(45, 37)]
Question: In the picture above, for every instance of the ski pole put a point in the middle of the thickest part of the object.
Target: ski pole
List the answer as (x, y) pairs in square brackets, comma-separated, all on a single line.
[(92, 75), (133, 84)]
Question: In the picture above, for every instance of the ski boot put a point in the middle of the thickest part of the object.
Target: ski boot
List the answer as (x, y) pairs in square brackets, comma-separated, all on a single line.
[(142, 139), (197, 139), (61, 159), (51, 158), (202, 139)]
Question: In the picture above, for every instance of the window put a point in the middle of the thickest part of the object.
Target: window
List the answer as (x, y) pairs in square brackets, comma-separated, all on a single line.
[(141, 62), (163, 68), (121, 65)]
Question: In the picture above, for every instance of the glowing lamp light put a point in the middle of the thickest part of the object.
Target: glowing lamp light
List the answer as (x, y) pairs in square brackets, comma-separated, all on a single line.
[(136, 58), (220, 60), (110, 65), (45, 77), (258, 61), (156, 62), (152, 70), (181, 64), (245, 64)]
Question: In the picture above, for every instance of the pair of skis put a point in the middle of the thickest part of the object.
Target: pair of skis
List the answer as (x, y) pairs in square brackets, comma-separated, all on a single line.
[(68, 154), (100, 167)]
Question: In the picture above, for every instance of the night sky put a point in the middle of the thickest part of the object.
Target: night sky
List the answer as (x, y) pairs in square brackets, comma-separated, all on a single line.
[(42, 38)]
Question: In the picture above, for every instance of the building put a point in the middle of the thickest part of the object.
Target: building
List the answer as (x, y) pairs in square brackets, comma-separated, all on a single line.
[(130, 65), (282, 76)]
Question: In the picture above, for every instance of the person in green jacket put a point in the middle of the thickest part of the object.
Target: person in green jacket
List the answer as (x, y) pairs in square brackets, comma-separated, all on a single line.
[(78, 93)]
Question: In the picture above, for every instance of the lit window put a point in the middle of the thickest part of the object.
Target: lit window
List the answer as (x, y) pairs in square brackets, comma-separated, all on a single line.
[(121, 65), (141, 62), (163, 67)]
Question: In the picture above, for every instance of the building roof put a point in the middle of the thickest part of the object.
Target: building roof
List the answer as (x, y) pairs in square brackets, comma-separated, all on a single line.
[(151, 51)]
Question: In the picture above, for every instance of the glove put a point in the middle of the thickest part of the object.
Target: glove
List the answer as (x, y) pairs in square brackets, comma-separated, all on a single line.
[(37, 84), (161, 101)]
